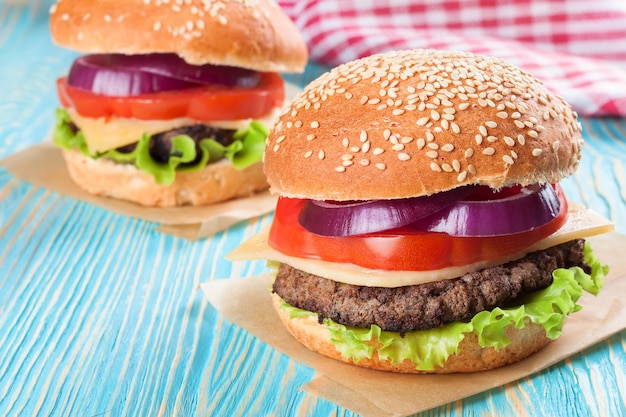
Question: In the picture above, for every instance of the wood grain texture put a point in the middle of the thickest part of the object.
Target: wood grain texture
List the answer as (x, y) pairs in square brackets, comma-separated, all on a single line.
[(100, 315)]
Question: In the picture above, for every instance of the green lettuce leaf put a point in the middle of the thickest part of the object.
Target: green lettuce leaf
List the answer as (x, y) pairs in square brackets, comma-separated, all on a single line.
[(246, 149), (430, 348), (65, 137)]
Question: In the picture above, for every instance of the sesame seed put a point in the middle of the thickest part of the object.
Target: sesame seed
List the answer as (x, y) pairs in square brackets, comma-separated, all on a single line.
[(347, 163), (276, 148), (378, 151), (156, 26), (482, 130), (492, 139), (420, 143), (509, 141), (455, 128), (345, 142), (489, 151), (346, 157), (310, 136), (340, 168), (462, 176), (422, 121), (397, 147), (321, 154), (479, 139), (366, 147), (533, 133), (471, 169), (404, 156), (429, 136), (555, 145), (447, 147), (280, 139), (469, 152), (508, 160), (406, 139), (315, 124), (307, 154), (381, 166), (491, 124), (456, 165), (432, 154), (433, 145), (519, 124), (398, 112), (537, 151), (363, 136), (447, 167), (355, 148), (364, 162), (435, 167)]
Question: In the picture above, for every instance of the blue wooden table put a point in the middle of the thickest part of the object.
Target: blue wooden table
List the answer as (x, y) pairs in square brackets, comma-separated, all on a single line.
[(100, 315)]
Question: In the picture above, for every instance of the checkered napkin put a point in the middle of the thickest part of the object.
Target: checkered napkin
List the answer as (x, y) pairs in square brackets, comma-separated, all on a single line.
[(577, 47)]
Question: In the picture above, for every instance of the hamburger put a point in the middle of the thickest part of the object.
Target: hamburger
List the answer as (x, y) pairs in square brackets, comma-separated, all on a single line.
[(420, 225), (172, 102)]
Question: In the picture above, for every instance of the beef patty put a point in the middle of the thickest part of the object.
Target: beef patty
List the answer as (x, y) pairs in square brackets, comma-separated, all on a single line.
[(160, 146), (427, 305)]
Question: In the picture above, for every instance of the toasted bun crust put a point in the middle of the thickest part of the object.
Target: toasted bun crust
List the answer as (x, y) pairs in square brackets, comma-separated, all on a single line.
[(217, 182), (251, 34), (470, 358), (413, 123)]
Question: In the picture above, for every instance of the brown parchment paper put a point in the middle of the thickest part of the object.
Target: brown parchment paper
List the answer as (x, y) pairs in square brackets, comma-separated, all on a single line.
[(43, 165), (246, 303)]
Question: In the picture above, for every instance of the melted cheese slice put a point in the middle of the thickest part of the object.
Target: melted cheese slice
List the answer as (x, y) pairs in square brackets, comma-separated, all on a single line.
[(103, 134), (581, 223)]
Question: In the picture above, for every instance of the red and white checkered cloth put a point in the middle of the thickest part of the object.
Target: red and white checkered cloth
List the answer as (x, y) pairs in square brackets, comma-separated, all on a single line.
[(577, 47)]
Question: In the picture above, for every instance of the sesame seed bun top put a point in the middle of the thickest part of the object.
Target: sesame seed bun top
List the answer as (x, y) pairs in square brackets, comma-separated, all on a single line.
[(413, 123), (253, 34)]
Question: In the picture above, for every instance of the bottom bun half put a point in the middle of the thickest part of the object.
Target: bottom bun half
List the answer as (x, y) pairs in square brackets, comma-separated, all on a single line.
[(218, 181), (471, 357)]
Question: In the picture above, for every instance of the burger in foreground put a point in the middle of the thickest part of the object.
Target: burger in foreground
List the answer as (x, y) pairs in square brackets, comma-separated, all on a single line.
[(420, 225), (172, 104)]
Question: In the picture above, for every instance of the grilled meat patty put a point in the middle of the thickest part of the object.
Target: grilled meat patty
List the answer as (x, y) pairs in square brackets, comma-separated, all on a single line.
[(428, 305)]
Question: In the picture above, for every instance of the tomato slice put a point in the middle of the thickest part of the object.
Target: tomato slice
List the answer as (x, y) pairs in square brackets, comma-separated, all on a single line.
[(207, 103), (402, 249)]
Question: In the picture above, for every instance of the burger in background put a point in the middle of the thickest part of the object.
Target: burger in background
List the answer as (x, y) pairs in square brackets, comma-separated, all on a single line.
[(420, 225), (172, 104)]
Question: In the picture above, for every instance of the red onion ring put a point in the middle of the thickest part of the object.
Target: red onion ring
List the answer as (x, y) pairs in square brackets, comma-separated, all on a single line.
[(530, 208), (128, 75), (329, 218)]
